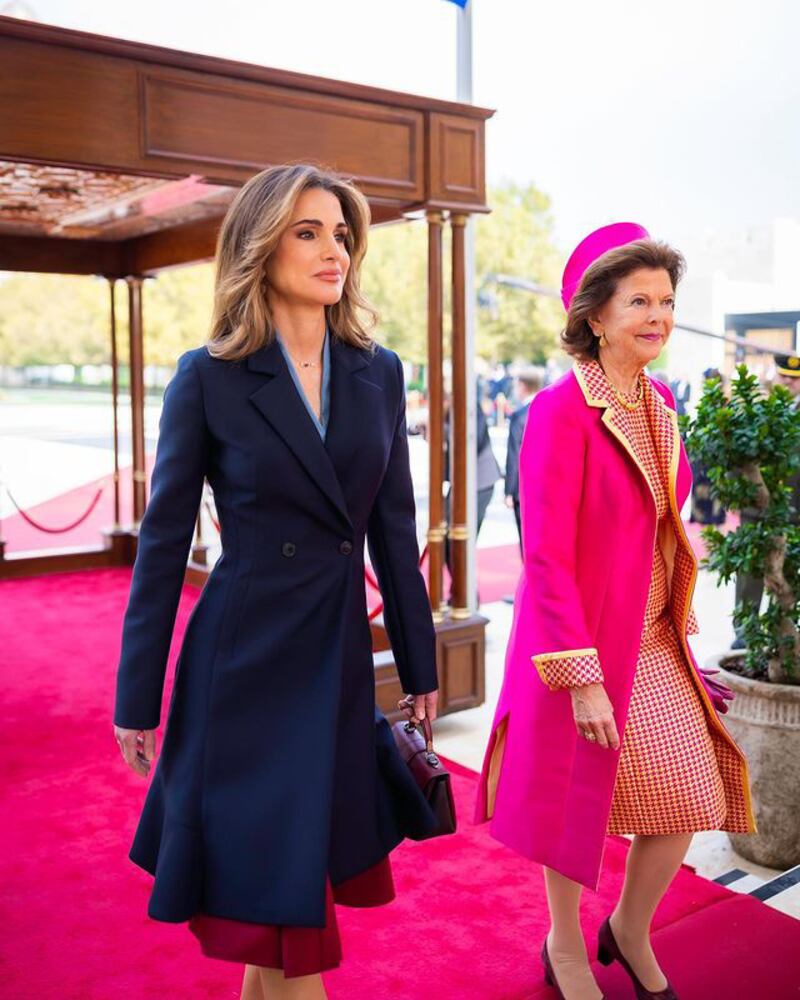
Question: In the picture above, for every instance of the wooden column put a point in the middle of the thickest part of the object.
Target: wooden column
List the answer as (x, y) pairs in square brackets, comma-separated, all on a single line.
[(459, 532), (135, 283), (112, 284), (437, 525)]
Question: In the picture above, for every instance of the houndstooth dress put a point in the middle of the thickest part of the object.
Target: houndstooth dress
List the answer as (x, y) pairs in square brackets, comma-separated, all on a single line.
[(669, 778)]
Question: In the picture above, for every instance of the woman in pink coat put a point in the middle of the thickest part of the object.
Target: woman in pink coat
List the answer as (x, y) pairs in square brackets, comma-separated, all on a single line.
[(605, 723)]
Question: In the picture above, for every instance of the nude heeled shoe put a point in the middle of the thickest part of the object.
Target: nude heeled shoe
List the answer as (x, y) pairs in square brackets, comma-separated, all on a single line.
[(550, 976)]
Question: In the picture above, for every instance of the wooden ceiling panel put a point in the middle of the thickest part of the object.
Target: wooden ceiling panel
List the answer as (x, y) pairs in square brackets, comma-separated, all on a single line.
[(227, 123), (457, 162), (111, 119)]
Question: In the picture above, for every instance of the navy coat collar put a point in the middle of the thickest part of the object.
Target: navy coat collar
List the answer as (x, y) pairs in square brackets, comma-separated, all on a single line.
[(352, 397)]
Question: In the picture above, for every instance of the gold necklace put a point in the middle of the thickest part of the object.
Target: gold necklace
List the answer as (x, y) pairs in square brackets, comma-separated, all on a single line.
[(305, 364), (625, 402)]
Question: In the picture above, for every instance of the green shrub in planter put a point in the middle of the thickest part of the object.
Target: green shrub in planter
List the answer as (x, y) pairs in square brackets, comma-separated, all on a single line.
[(749, 443)]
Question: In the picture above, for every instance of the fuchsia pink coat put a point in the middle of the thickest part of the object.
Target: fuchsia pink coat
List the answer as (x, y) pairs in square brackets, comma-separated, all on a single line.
[(589, 529)]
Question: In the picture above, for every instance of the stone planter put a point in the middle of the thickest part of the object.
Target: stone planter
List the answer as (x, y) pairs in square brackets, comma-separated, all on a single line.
[(764, 719)]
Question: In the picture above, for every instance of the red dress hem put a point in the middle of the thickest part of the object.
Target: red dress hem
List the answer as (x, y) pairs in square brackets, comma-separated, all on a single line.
[(297, 951)]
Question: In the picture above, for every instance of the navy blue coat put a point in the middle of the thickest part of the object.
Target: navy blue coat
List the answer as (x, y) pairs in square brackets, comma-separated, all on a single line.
[(276, 769)]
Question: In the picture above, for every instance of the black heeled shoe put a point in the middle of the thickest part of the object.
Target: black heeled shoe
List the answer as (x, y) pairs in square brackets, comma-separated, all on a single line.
[(608, 951), (550, 976)]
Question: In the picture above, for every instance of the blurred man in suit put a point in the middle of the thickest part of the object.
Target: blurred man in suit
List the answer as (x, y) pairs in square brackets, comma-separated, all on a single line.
[(682, 391), (528, 382), (487, 472)]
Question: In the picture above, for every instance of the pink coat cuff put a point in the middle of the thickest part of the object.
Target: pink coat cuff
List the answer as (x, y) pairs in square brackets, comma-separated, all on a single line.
[(692, 628), (569, 668)]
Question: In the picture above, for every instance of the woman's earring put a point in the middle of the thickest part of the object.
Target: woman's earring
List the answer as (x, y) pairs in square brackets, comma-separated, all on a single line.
[(603, 341)]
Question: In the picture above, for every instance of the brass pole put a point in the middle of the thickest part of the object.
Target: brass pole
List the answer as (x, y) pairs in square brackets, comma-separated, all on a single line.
[(112, 284), (135, 331), (437, 524), (459, 531)]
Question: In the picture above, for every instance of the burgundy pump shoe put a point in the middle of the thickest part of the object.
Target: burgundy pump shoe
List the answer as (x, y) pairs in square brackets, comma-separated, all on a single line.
[(608, 951)]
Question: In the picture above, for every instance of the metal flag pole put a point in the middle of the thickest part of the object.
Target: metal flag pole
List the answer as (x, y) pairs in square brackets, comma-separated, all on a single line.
[(464, 93)]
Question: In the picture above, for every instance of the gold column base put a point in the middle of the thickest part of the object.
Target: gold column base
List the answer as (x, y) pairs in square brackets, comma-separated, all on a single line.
[(459, 613)]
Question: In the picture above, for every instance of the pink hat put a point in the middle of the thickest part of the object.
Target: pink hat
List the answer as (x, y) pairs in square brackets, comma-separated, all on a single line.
[(594, 246)]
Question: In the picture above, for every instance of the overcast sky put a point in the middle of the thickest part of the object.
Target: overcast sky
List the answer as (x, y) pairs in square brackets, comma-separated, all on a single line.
[(680, 115)]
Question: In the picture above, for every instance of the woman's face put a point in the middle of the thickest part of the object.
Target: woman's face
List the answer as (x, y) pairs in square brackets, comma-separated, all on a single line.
[(310, 262), (638, 318)]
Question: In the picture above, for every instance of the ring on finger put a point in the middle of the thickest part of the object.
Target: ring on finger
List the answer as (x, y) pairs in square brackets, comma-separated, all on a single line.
[(590, 737)]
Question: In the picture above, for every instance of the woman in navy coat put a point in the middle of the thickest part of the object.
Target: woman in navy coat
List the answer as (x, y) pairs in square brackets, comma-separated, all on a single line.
[(278, 788)]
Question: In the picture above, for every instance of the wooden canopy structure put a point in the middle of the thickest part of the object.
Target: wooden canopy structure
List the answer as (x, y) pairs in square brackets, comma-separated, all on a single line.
[(120, 159)]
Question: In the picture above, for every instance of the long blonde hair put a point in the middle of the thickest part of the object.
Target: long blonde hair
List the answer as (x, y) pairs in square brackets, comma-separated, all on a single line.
[(253, 225)]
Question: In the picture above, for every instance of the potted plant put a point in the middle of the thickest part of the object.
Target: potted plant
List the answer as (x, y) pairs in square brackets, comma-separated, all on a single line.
[(748, 441)]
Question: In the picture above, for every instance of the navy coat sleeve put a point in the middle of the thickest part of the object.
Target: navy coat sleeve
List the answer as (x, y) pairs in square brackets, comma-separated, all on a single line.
[(393, 549), (165, 535)]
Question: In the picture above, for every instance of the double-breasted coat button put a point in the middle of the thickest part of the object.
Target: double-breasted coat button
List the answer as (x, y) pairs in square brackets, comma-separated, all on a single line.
[(346, 548), (288, 549)]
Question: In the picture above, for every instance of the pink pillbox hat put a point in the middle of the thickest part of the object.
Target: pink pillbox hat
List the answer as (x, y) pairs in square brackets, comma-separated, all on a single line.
[(594, 246)]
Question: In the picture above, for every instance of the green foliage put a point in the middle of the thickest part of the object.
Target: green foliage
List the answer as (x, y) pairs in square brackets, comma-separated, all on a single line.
[(394, 278), (52, 319), (749, 444), (517, 239), (48, 319), (177, 312)]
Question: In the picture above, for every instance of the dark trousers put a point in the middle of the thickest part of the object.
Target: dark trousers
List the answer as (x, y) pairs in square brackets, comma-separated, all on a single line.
[(484, 497), (518, 519)]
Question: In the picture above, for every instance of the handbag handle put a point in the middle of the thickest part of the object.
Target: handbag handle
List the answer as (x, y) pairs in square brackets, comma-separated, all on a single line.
[(427, 731)]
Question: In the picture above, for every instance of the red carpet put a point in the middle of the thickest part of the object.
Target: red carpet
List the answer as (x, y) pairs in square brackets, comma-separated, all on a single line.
[(468, 922), (63, 510)]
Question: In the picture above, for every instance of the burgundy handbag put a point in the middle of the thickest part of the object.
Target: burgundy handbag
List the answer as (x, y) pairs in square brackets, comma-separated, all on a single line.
[(427, 770)]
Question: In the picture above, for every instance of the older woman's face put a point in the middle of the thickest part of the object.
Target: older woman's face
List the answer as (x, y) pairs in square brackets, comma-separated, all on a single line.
[(310, 262), (638, 318)]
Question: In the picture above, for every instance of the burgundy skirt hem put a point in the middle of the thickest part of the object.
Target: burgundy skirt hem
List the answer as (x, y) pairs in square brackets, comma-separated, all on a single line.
[(297, 951)]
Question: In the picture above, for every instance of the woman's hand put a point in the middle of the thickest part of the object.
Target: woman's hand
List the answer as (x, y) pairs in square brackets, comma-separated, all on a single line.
[(594, 715), (138, 747), (417, 706)]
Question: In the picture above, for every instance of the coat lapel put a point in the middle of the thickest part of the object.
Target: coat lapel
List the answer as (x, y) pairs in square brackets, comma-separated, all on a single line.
[(596, 392), (278, 401), (355, 401)]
